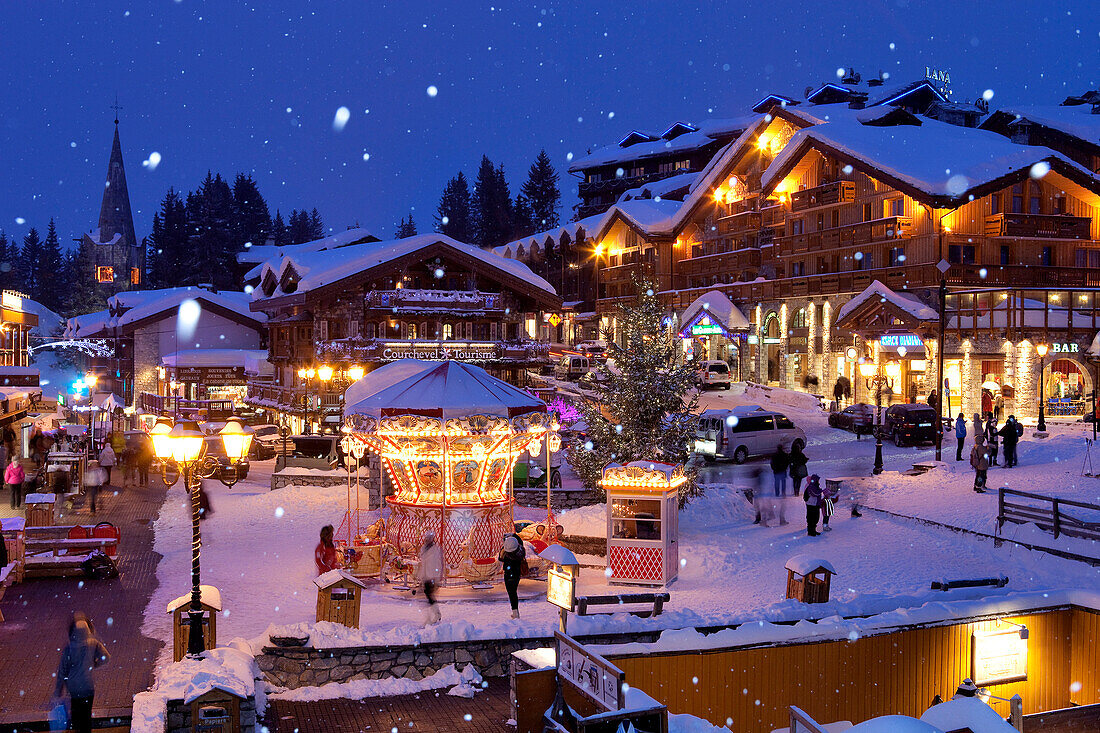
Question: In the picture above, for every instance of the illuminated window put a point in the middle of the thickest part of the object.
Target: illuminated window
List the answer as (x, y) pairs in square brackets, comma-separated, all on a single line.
[(105, 274), (135, 276)]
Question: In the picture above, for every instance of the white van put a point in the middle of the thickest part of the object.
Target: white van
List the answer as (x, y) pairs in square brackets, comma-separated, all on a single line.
[(713, 374), (748, 430), (572, 367)]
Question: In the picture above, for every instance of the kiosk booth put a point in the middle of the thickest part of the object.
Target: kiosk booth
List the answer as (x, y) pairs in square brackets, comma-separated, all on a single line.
[(643, 521)]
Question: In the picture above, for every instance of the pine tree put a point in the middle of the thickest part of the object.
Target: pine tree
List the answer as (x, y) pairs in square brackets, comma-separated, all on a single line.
[(211, 257), (541, 191), (83, 295), (492, 206), (407, 228), (278, 229), (9, 263), (30, 264), (299, 228), (522, 218), (644, 408), (317, 226), (452, 216), (252, 219), (51, 290), (167, 245)]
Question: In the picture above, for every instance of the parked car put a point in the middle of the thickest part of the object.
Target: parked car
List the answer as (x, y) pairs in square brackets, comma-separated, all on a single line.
[(595, 350), (713, 374), (267, 434), (572, 367), (858, 418), (315, 451), (909, 424), (748, 430), (216, 448)]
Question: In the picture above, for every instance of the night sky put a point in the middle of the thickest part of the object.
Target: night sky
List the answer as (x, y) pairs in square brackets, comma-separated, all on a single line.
[(255, 87)]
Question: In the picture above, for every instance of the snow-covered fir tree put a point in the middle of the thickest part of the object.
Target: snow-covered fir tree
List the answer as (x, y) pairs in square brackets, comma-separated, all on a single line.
[(643, 403)]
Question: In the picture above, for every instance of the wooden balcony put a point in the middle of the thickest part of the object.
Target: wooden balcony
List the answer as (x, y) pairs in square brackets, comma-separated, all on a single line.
[(419, 301), (263, 393), (1040, 226), (837, 192), (744, 221), (868, 232)]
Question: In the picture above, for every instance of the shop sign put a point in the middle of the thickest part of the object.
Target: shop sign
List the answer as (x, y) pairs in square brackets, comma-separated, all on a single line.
[(707, 329), (590, 674), (1065, 348), (210, 375), (1000, 656), (439, 352), (560, 588), (896, 340), (752, 338)]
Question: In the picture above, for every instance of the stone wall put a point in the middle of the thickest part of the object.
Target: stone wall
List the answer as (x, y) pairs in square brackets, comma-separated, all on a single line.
[(179, 716), (560, 499), (581, 545), (286, 477)]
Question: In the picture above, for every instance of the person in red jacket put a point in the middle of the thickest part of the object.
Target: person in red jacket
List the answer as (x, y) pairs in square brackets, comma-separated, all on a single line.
[(325, 555)]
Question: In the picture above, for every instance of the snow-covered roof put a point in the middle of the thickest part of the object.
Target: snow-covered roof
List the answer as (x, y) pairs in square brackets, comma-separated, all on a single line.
[(1076, 121), (574, 229), (88, 325), (320, 268), (936, 159), (260, 253), (209, 595), (662, 188), (907, 303), (212, 357), (438, 388), (708, 131), (720, 307), (332, 577), (158, 301), (560, 555), (966, 712), (805, 564), (894, 724)]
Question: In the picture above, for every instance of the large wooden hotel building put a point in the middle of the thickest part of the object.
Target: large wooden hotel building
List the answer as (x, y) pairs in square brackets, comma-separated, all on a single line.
[(822, 225)]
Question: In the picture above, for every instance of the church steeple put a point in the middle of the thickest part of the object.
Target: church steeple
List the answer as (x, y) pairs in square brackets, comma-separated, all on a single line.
[(115, 216), (118, 254)]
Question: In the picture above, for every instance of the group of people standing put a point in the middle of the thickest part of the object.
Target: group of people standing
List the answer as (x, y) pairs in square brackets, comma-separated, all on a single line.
[(819, 500), (987, 436)]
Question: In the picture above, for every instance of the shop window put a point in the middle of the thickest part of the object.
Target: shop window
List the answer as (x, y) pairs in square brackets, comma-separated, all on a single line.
[(1006, 255), (897, 256), (897, 207), (960, 254), (799, 318), (105, 274), (1046, 257)]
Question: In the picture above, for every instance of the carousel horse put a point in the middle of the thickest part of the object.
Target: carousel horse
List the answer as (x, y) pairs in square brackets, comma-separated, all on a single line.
[(477, 569)]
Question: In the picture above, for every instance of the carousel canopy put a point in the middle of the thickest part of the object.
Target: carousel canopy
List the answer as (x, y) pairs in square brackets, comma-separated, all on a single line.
[(443, 389)]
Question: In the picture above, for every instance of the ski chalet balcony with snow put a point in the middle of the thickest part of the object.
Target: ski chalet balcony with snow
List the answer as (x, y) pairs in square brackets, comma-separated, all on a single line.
[(344, 311)]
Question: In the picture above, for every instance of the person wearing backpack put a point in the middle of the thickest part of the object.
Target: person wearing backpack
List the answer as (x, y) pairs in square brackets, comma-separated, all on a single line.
[(1010, 436), (813, 497), (979, 460), (81, 655)]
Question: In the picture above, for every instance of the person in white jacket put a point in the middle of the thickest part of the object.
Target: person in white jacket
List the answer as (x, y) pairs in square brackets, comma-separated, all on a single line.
[(430, 574), (107, 461)]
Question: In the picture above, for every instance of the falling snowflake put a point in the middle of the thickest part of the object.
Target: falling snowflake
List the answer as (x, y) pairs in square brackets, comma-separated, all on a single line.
[(340, 120), (432, 91)]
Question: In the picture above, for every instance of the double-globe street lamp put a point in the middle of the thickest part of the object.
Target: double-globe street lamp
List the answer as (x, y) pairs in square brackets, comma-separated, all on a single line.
[(324, 374), (877, 381), (185, 445)]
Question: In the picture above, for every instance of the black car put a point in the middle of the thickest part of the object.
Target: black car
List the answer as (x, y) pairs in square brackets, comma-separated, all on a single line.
[(216, 448), (909, 424), (858, 418)]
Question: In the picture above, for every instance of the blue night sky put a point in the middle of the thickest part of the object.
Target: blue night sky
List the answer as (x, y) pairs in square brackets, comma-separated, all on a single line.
[(230, 86)]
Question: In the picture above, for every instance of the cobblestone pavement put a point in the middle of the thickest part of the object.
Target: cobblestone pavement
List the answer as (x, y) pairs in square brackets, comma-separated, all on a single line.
[(428, 711), (38, 611)]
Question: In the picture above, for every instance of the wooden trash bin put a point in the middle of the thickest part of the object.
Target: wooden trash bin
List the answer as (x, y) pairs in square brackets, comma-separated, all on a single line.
[(808, 578), (216, 711), (338, 596), (14, 534), (211, 602), (41, 509)]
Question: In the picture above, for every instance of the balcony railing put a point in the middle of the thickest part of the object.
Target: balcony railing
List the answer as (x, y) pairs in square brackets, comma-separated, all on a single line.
[(624, 182), (837, 192), (266, 394), (1045, 226), (879, 230), (448, 300)]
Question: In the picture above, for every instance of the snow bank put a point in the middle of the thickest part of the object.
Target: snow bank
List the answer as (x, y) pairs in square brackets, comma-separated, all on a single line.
[(461, 684), (230, 668), (685, 723), (966, 712)]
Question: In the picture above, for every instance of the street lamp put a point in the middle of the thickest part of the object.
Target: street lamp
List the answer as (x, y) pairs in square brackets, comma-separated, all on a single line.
[(1042, 350), (184, 445), (876, 381)]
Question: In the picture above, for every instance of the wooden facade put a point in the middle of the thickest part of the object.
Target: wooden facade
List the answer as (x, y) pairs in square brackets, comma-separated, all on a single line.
[(881, 674)]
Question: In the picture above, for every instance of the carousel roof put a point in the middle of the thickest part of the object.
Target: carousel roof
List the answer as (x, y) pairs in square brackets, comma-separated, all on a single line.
[(436, 389)]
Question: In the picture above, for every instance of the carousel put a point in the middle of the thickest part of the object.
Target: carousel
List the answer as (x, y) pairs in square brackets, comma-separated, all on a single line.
[(448, 435)]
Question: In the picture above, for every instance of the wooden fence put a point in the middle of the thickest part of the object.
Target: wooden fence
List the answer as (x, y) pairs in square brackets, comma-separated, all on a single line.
[(1048, 513)]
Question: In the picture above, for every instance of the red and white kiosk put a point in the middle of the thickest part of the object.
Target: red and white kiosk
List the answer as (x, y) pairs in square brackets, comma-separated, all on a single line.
[(643, 522)]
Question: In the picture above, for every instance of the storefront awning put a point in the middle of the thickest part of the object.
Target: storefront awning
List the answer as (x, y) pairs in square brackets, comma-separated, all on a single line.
[(879, 308), (712, 313)]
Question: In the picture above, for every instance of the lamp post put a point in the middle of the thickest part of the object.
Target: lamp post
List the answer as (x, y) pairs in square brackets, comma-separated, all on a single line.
[(323, 374), (943, 265), (1042, 350), (876, 380), (184, 444)]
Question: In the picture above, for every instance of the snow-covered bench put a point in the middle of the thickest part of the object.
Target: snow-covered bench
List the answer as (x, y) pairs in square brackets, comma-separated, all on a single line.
[(620, 602)]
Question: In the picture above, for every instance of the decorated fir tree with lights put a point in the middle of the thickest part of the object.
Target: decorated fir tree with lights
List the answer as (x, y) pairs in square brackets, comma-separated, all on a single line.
[(642, 403)]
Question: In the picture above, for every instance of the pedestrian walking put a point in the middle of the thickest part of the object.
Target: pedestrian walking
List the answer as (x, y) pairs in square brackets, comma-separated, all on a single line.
[(512, 555), (798, 470), (1010, 434), (13, 477), (758, 481), (430, 574), (205, 509), (960, 436), (812, 496), (93, 479), (81, 655), (979, 461), (325, 555), (992, 436), (143, 461), (779, 464), (107, 461)]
